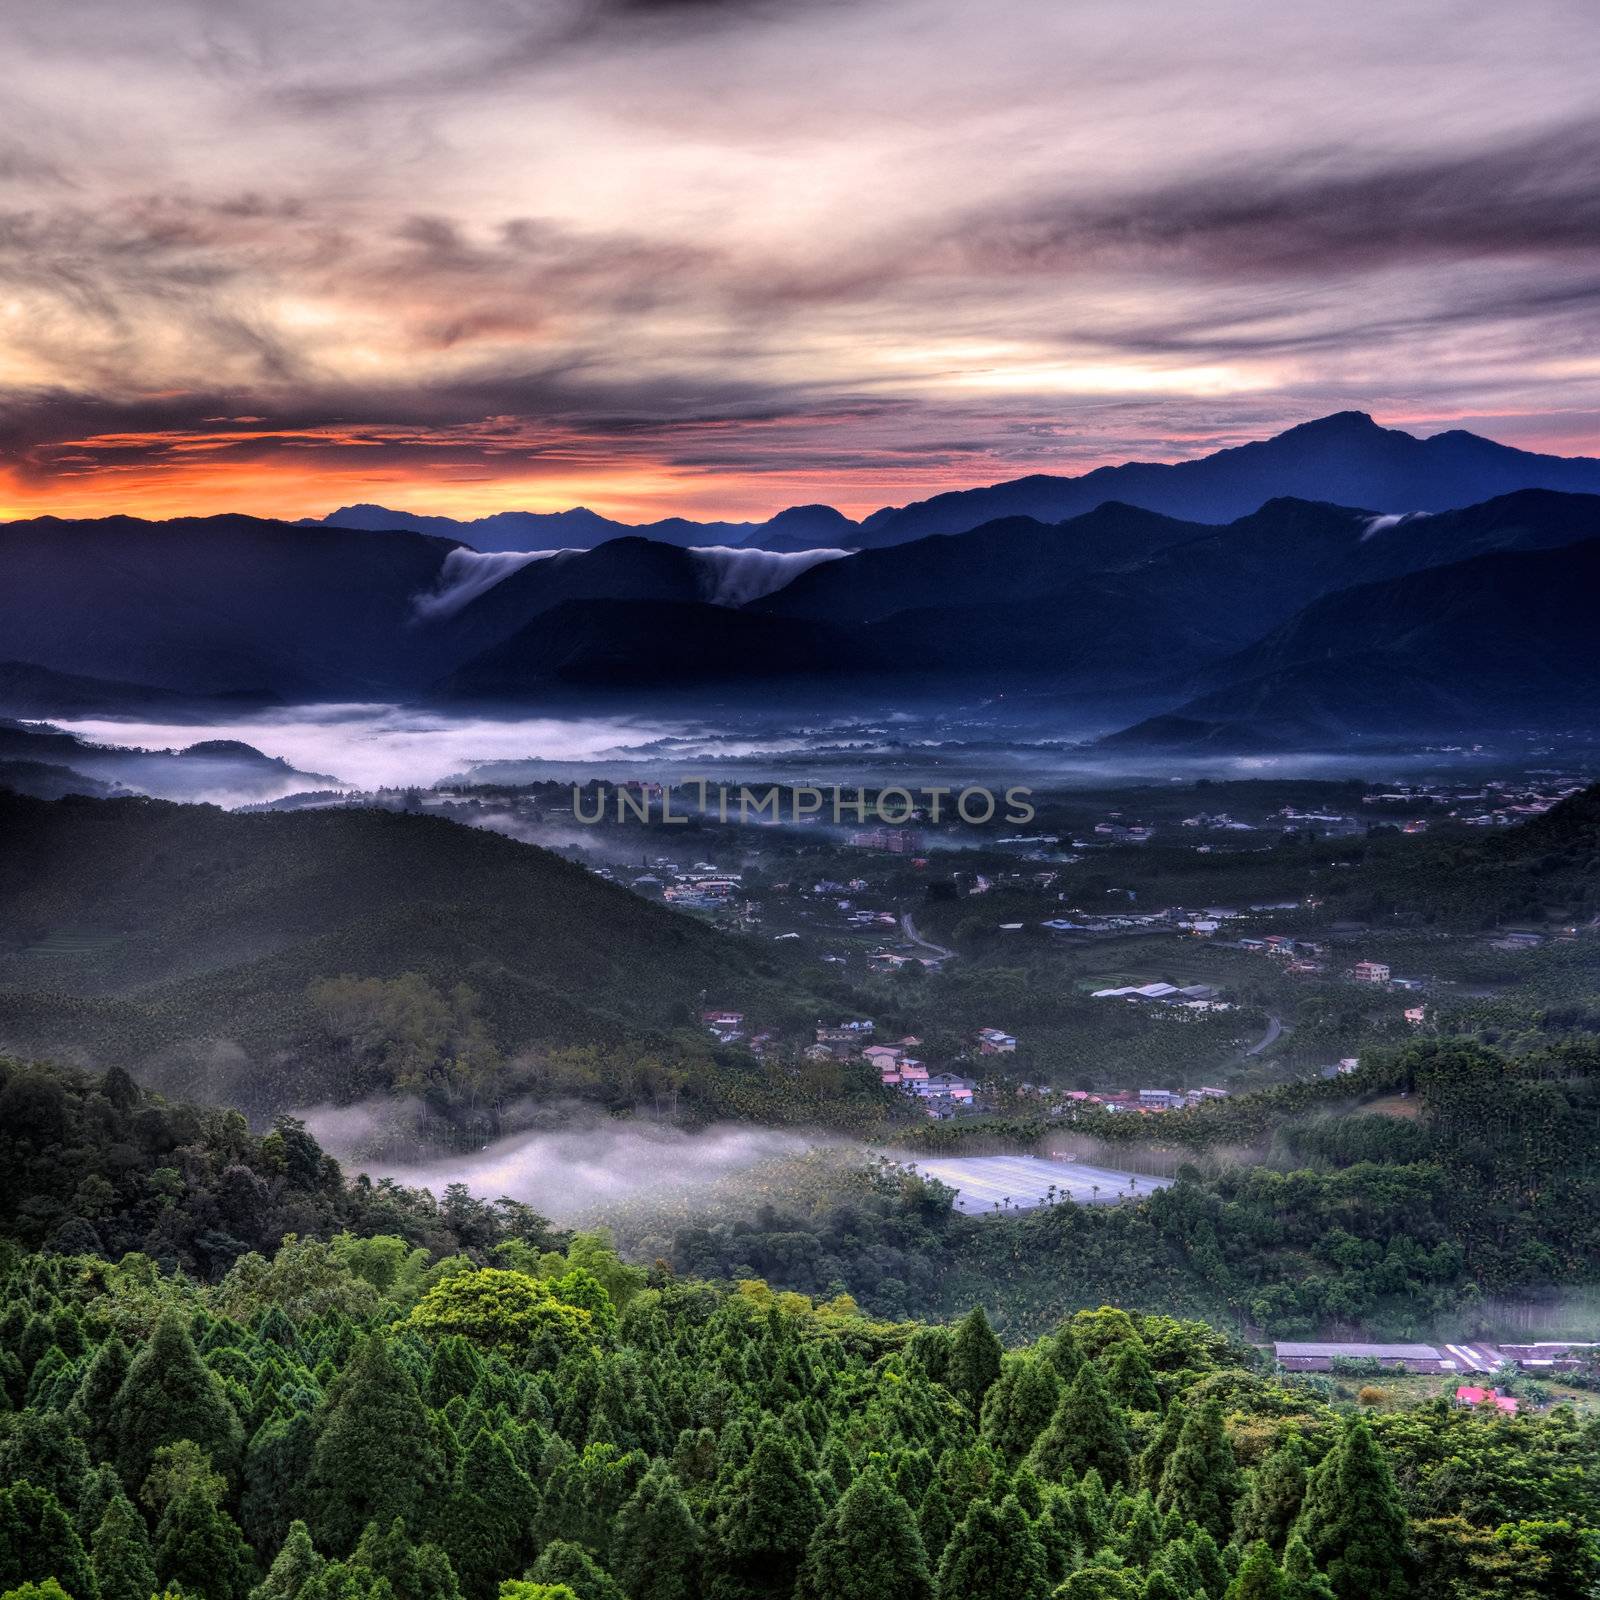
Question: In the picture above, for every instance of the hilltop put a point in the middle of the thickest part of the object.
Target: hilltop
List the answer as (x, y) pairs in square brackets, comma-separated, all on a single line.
[(190, 939)]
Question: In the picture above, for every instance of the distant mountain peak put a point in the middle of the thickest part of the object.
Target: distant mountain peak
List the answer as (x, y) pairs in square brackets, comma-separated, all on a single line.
[(1346, 458), (1347, 422)]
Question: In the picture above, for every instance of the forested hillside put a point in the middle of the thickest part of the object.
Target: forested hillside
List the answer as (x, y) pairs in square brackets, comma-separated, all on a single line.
[(358, 1419), (1296, 1211), (212, 945)]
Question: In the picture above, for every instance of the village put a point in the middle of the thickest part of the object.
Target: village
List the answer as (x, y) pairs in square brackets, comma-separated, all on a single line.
[(1139, 947), (941, 1094)]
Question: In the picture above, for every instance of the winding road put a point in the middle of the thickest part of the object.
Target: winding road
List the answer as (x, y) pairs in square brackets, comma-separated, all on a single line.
[(1271, 1036), (909, 929)]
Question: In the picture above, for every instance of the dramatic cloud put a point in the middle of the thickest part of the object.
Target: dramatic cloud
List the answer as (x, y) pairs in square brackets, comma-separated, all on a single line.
[(716, 256)]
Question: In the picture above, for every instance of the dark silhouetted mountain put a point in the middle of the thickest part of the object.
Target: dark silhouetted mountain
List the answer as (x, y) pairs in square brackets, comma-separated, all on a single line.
[(461, 621), (1529, 519), (1501, 640), (1189, 736), (45, 780), (1203, 585), (151, 618), (27, 690), (798, 528), (1138, 593), (805, 528), (1014, 559), (1345, 458), (651, 643), (215, 604), (214, 768)]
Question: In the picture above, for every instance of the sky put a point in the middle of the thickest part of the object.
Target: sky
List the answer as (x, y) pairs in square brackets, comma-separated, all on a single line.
[(715, 257)]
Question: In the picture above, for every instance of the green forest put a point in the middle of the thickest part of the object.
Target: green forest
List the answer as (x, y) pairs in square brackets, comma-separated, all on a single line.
[(229, 1372), (501, 1414)]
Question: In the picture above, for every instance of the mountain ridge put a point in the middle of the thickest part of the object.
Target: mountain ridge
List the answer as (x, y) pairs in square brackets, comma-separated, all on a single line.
[(1345, 457)]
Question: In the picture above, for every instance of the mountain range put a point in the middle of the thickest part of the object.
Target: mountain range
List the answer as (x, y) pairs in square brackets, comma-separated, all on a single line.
[(1346, 458), (1297, 618), (798, 528)]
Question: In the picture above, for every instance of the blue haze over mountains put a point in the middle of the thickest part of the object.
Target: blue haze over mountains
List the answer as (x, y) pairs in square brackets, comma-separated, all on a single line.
[(1340, 577)]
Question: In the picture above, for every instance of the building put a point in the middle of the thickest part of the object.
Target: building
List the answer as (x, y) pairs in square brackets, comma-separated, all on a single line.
[(1370, 972), (896, 841), (1159, 1100), (1319, 1357), (1416, 1015), (1468, 1395), (992, 1042)]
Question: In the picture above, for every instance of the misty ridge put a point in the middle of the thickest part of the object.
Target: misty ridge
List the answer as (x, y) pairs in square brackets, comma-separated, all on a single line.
[(725, 576)]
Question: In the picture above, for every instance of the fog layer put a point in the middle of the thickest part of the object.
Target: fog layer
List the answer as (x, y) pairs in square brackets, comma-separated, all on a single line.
[(564, 1172)]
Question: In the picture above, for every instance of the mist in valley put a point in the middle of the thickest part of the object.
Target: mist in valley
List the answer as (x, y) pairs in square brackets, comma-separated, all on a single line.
[(567, 1172), (362, 748)]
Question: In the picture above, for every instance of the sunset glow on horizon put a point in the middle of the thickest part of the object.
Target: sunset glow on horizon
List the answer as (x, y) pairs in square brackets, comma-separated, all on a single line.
[(713, 258)]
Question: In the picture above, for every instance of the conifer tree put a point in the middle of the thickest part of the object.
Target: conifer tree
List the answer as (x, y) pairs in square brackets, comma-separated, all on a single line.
[(277, 1462), (41, 1447), (1258, 1577), (838, 1468), (1085, 1434), (1063, 1351), (993, 1555), (767, 1517), (169, 1395), (930, 1349), (564, 1563), (1061, 1532), (1158, 1586), (199, 1548), (295, 1564), (38, 1541), (1018, 1407), (1301, 1580), (935, 1521), (100, 1488), (1178, 1562), (866, 1548), (89, 1411), (454, 1370), (1353, 1521), (412, 1571), (1201, 1480), (1099, 1583), (1158, 1452), (486, 1527), (1269, 1506), (344, 1580), (1208, 1563), (375, 1456), (913, 1472), (655, 1542), (1141, 1535), (120, 1554), (975, 1355), (1130, 1382)]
